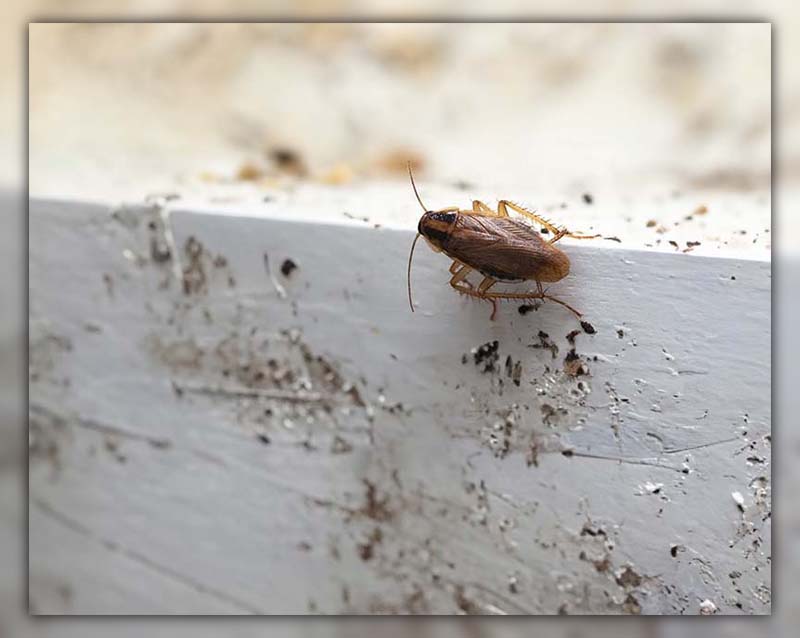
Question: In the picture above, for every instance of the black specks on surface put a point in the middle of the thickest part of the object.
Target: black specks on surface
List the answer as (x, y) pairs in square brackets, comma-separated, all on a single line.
[(587, 198), (486, 355), (514, 370), (616, 239), (288, 267), (574, 365), (366, 550), (628, 578), (524, 309), (588, 529), (545, 343), (571, 336)]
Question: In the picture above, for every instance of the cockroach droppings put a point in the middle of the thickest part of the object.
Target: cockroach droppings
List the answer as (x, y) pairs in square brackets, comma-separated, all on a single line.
[(288, 267)]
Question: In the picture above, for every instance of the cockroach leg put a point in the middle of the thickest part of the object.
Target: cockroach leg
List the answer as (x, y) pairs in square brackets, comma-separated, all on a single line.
[(455, 266), (565, 233), (493, 296), (458, 275), (482, 209), (487, 283), (557, 232), (503, 203)]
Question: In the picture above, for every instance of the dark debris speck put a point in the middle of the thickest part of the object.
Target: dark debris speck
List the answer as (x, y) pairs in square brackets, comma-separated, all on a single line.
[(287, 267), (486, 355), (588, 328)]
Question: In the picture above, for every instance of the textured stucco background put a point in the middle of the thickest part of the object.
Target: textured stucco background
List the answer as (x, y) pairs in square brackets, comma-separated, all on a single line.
[(654, 122)]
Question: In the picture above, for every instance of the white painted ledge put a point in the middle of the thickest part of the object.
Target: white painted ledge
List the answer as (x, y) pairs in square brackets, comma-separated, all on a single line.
[(230, 450)]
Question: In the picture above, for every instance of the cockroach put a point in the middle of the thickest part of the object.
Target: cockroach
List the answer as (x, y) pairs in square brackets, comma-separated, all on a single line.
[(497, 246)]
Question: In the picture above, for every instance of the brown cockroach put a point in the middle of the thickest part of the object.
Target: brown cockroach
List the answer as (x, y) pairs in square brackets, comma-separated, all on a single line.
[(497, 246)]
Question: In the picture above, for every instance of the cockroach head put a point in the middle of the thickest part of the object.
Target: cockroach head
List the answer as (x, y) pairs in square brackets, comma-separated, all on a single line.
[(436, 226)]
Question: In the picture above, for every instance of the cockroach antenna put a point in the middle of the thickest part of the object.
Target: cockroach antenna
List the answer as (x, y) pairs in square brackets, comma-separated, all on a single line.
[(410, 302), (411, 254), (414, 186)]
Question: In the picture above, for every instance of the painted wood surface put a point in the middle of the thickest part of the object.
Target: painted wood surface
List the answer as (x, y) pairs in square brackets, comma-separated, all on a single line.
[(213, 431)]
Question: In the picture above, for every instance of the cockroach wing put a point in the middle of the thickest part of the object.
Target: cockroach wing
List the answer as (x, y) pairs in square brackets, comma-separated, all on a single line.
[(504, 249)]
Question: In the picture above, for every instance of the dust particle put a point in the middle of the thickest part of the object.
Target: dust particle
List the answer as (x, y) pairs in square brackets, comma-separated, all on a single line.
[(249, 172), (545, 343), (373, 508), (631, 605), (628, 578), (574, 365), (588, 328), (587, 198), (289, 161)]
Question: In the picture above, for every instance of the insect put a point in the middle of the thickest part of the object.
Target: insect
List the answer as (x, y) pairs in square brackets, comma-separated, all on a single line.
[(497, 246)]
